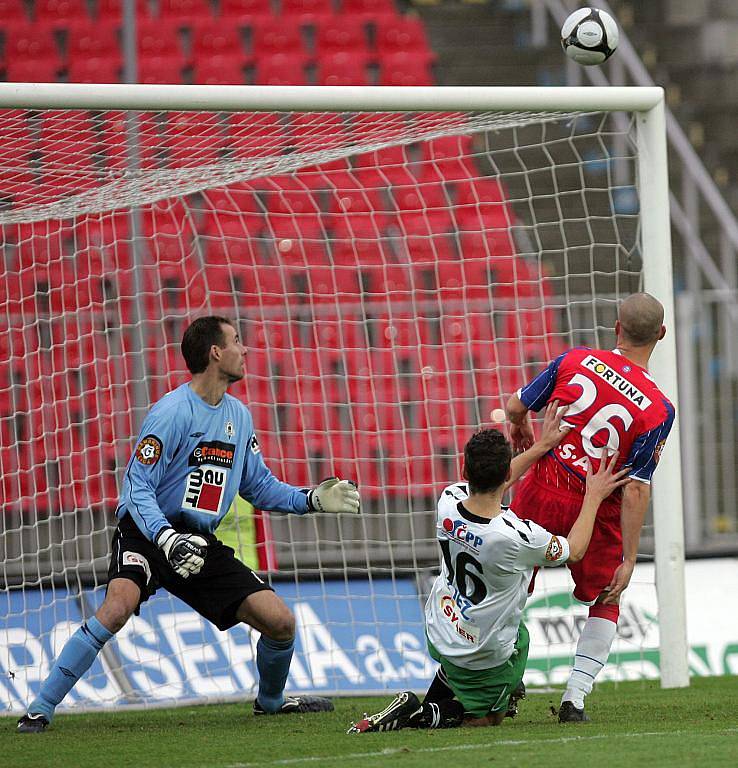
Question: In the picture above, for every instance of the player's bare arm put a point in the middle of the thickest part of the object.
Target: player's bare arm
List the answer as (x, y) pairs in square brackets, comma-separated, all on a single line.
[(521, 430), (551, 435), (600, 485), (635, 505)]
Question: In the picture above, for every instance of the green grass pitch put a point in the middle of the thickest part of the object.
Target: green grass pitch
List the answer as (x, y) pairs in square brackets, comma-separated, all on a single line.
[(634, 724)]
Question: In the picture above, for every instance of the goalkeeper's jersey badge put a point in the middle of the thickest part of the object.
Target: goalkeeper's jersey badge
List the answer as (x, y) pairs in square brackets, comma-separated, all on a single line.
[(229, 429)]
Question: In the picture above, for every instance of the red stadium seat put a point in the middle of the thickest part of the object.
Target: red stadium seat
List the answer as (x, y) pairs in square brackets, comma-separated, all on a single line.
[(481, 204), (281, 69), (357, 213), (355, 200), (28, 42), (343, 68), (184, 12), (60, 14), (159, 38), (13, 13), (385, 167), (374, 11), (406, 69), (228, 209), (307, 12), (193, 138), (404, 34), (169, 218), (32, 71), (218, 71), (341, 34), (299, 238), (352, 253), (112, 10), (160, 69), (94, 40), (277, 36), (448, 158), (68, 142), (115, 141), (100, 234), (256, 134), (216, 39), (316, 131), (94, 71), (245, 12), (424, 208), (16, 177)]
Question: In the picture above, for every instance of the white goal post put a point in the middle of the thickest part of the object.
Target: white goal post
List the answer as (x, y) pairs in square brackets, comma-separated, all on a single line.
[(647, 107)]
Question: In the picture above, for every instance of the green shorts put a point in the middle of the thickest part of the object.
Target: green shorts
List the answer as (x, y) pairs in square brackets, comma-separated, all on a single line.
[(482, 691)]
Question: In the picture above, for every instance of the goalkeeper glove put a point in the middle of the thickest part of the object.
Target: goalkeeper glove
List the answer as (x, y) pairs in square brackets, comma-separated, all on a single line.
[(185, 552), (334, 495)]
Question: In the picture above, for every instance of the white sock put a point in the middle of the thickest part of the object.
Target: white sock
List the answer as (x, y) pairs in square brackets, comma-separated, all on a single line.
[(593, 649)]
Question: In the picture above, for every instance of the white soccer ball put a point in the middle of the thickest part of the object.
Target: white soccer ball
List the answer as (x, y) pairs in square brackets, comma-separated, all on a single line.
[(589, 36)]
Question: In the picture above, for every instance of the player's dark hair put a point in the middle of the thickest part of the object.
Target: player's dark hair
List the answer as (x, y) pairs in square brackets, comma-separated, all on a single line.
[(487, 458), (200, 335)]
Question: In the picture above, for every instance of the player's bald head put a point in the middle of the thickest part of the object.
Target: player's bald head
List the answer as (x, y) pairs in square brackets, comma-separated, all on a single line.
[(641, 319)]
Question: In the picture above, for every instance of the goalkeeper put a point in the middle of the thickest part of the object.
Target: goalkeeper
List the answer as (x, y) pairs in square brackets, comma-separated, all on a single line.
[(195, 451), (473, 616)]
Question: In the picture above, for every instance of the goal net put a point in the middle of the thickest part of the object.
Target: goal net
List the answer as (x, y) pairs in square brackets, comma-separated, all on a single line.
[(395, 276)]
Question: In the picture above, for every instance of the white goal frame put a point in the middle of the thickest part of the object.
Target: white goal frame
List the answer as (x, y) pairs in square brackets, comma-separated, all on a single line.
[(648, 105)]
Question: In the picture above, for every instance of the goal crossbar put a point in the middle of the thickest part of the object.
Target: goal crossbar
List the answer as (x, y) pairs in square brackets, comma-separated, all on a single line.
[(239, 98)]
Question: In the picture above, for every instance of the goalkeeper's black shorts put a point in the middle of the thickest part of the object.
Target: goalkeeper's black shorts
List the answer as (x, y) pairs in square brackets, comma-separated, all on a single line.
[(215, 593)]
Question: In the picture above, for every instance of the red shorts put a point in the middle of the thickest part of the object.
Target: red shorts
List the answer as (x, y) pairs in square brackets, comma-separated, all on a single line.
[(556, 512)]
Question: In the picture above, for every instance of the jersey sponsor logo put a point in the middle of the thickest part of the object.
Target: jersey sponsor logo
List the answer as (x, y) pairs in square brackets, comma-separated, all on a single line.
[(215, 452), (458, 492), (459, 532), (148, 451), (464, 629), (254, 446), (204, 490), (568, 452), (137, 560), (616, 381), (554, 549)]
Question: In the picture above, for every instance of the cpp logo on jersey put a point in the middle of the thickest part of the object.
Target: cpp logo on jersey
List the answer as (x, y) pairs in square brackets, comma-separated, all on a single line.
[(458, 531), (148, 451), (554, 549)]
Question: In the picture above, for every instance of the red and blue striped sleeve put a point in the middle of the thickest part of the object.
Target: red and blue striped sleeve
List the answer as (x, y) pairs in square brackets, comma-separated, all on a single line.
[(537, 392)]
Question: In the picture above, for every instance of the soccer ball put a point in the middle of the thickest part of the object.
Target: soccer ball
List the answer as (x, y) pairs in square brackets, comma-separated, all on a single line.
[(589, 36)]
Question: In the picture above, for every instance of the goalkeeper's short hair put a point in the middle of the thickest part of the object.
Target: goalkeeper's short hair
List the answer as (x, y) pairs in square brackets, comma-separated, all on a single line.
[(487, 458), (199, 337)]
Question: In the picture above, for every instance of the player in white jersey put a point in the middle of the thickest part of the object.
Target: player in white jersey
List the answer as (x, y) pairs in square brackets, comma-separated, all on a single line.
[(473, 616)]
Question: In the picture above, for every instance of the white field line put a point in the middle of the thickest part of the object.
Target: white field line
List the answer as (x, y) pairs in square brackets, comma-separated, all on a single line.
[(389, 751)]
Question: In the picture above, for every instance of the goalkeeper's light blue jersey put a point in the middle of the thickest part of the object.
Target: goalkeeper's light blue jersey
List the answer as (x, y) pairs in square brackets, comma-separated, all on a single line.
[(191, 459)]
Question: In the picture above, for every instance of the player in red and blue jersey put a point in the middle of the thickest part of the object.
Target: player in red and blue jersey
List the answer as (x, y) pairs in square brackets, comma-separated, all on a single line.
[(612, 404)]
